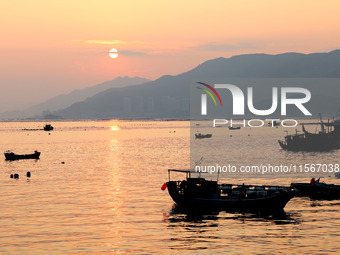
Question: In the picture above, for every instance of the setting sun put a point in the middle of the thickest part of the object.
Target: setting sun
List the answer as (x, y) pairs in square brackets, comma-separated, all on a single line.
[(113, 53)]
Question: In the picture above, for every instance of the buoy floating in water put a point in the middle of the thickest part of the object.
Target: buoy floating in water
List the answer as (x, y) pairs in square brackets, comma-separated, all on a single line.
[(164, 186)]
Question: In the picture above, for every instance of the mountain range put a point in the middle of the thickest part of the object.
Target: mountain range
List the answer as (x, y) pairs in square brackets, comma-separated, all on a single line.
[(168, 96), (66, 100)]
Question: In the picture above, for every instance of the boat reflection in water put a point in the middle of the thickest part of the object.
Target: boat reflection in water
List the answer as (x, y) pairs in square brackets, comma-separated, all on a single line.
[(180, 213), (220, 231)]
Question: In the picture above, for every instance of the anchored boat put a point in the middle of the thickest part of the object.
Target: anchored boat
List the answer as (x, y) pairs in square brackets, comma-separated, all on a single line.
[(325, 140), (317, 190), (274, 123), (200, 136), (234, 128), (48, 127), (198, 192), (12, 156)]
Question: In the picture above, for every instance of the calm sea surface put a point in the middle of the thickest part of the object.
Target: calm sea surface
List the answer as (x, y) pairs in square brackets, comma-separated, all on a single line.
[(106, 197)]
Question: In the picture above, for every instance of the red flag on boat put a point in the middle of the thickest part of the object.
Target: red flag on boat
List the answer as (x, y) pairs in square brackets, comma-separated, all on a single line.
[(164, 186)]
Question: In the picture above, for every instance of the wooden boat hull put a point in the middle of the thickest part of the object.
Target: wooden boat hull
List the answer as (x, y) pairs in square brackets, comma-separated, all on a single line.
[(270, 203), (283, 145), (13, 156), (320, 191), (309, 145)]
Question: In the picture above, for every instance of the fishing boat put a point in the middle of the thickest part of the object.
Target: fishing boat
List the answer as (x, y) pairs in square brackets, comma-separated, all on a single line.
[(200, 193), (325, 140), (48, 127), (200, 136), (234, 128), (274, 123), (317, 190), (12, 156)]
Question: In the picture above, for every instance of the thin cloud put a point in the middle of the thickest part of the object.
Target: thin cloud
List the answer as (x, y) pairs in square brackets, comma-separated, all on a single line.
[(100, 41), (226, 47), (105, 42), (131, 53), (110, 42)]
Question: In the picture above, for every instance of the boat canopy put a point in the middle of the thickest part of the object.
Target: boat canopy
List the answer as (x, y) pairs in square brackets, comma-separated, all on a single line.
[(188, 172)]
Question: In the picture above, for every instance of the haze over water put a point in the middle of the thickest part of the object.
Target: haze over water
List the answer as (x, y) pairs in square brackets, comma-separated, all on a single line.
[(106, 198)]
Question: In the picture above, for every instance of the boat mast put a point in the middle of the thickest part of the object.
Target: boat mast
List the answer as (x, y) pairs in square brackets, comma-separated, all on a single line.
[(328, 126), (322, 127)]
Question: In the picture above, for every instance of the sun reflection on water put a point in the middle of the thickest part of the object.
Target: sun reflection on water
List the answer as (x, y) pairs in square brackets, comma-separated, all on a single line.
[(114, 128)]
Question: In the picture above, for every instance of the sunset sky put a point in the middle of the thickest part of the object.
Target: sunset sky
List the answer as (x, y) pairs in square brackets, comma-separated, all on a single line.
[(53, 47)]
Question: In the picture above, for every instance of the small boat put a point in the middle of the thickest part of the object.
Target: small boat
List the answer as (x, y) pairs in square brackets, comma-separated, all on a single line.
[(274, 123), (325, 140), (234, 128), (200, 136), (12, 156), (48, 127), (317, 190), (309, 142), (200, 193)]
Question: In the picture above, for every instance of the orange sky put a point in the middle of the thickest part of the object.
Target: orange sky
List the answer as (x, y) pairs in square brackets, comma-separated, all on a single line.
[(53, 47)]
